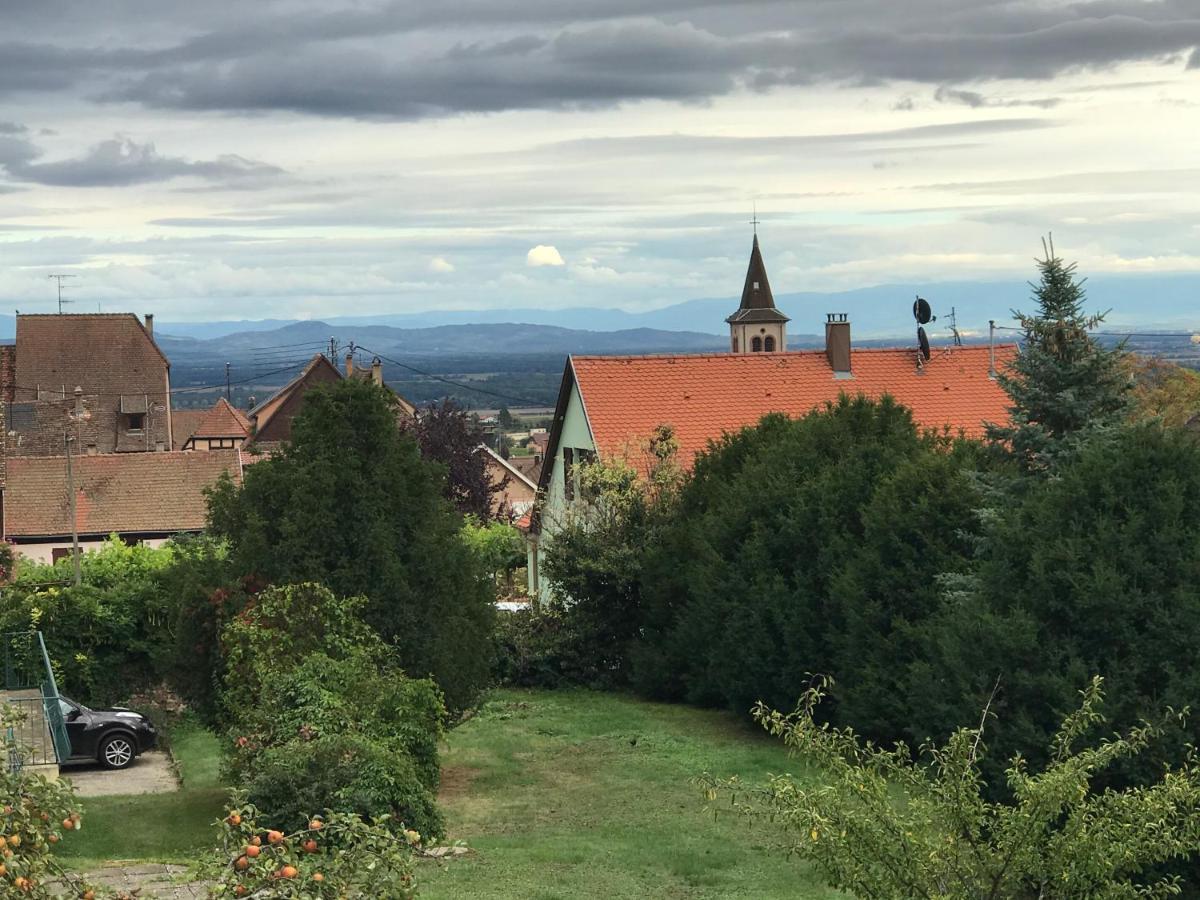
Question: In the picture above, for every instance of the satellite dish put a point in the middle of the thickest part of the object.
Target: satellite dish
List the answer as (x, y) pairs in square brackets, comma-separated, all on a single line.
[(921, 311), (923, 341)]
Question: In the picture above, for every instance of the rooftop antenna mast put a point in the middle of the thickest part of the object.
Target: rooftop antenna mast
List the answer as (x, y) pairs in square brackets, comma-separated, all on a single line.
[(60, 277), (954, 328)]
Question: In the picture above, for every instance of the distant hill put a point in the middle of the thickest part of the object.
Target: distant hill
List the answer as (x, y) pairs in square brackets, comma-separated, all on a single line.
[(1135, 301), (301, 339)]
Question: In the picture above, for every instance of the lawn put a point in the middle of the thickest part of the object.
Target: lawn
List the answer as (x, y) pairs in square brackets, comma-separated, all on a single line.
[(155, 827), (578, 794)]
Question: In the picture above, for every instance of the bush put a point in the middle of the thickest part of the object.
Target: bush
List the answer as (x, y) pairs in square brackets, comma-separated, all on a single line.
[(882, 824), (349, 773), (540, 648), (1094, 571), (331, 857), (594, 560), (107, 637), (321, 716), (36, 813), (794, 546)]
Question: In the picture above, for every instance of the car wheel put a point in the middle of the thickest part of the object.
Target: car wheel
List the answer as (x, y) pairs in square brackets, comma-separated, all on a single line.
[(117, 752)]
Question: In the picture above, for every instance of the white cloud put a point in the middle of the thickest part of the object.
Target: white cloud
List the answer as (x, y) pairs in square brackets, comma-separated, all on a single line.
[(544, 255), (441, 265)]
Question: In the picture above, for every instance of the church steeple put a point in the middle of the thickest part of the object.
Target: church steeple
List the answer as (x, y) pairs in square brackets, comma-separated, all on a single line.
[(757, 326), (756, 294)]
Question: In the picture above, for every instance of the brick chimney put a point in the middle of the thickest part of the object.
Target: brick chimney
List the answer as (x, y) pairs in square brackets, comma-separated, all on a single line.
[(377, 371), (837, 344), (349, 365), (150, 324)]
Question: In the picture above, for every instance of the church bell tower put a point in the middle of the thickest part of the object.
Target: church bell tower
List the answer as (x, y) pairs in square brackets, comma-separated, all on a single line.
[(757, 326)]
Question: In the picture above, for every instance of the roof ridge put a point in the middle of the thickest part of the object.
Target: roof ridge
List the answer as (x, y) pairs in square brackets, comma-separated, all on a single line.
[(806, 351)]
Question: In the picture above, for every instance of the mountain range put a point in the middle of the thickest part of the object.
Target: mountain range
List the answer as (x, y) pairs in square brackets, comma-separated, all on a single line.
[(1138, 302)]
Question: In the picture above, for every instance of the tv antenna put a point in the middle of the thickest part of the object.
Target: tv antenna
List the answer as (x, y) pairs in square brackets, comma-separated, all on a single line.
[(924, 315), (954, 328), (60, 277)]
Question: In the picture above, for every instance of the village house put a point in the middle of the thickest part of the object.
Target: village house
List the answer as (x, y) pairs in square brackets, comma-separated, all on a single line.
[(517, 490), (140, 497), (609, 406), (123, 403), (84, 398), (271, 420)]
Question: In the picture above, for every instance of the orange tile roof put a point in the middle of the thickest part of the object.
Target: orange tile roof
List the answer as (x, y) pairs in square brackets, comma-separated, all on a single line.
[(122, 492), (223, 420), (184, 423), (703, 396)]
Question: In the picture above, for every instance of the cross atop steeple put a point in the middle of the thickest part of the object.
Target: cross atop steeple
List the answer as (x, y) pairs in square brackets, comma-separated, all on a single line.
[(754, 220)]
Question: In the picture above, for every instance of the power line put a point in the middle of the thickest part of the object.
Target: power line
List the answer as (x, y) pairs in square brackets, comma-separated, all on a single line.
[(280, 346), (458, 384), (183, 390)]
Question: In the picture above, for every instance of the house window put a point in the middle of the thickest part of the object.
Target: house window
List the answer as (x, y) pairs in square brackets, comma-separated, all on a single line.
[(135, 421), (769, 344), (756, 345), (568, 473), (57, 553), (735, 344)]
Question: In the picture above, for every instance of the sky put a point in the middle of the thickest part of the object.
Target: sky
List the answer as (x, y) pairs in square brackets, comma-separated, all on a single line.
[(230, 160)]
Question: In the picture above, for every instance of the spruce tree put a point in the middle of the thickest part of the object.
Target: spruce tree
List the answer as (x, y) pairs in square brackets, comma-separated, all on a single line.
[(1064, 385)]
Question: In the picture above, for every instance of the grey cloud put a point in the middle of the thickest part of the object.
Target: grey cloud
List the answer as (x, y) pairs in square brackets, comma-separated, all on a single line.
[(12, 128), (976, 100), (121, 161), (408, 60)]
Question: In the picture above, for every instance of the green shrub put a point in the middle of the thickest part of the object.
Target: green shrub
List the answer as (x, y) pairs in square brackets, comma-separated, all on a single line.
[(348, 773), (795, 547), (320, 715), (540, 648)]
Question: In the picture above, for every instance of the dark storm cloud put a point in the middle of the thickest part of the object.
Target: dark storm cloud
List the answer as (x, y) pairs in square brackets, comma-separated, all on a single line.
[(412, 60), (121, 161)]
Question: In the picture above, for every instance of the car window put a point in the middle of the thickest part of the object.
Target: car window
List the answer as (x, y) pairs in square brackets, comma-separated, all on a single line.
[(66, 707)]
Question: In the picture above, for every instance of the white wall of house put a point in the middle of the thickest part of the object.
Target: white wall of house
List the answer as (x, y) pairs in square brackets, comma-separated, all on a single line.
[(44, 552), (576, 434)]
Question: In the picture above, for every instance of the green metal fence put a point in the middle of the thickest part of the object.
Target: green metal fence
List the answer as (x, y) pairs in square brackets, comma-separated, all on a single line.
[(27, 667)]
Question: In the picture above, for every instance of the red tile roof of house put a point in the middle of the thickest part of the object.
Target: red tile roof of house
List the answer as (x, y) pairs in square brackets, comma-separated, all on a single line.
[(222, 421), (703, 396), (127, 493), (100, 352), (184, 423)]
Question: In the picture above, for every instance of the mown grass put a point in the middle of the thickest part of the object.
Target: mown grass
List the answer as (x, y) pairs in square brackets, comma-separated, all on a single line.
[(578, 794), (172, 827)]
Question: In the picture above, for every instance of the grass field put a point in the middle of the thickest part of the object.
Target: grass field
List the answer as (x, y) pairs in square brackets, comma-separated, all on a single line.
[(577, 794), (155, 827)]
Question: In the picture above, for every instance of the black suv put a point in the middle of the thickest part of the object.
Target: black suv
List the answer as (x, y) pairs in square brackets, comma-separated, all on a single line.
[(112, 737)]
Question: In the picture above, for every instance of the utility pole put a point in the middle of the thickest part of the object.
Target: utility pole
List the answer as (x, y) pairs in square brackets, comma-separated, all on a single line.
[(226, 382), (78, 417), (60, 278)]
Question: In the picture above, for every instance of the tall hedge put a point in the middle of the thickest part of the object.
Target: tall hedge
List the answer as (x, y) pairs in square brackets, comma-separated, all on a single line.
[(350, 503), (803, 546)]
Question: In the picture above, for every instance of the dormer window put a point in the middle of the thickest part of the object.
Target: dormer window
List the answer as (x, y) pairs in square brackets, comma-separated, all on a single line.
[(756, 285)]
